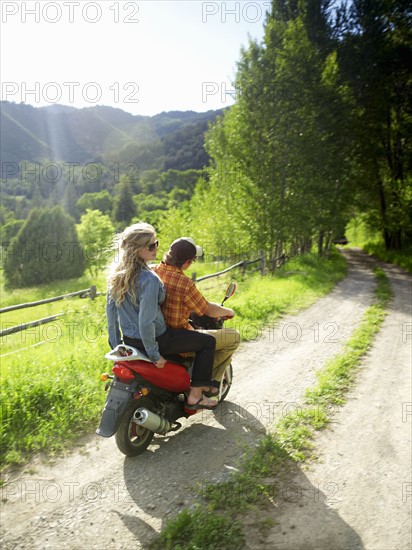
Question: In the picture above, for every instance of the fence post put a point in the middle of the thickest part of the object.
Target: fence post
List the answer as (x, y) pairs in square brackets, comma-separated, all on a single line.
[(92, 292), (194, 277), (262, 263)]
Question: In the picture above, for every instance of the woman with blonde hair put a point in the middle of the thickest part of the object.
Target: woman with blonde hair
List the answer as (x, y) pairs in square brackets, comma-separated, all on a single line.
[(134, 296)]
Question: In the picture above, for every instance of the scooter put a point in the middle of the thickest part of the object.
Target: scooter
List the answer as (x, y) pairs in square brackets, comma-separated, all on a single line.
[(144, 400)]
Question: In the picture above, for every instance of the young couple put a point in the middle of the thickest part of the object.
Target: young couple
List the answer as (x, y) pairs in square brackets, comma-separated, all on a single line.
[(152, 308)]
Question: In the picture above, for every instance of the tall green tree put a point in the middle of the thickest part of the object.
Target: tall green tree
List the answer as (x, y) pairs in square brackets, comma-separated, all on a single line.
[(45, 249), (124, 207), (375, 52), (95, 234), (315, 15), (70, 199), (279, 162)]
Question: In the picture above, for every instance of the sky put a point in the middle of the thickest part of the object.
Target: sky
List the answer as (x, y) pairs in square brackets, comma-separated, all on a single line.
[(144, 57)]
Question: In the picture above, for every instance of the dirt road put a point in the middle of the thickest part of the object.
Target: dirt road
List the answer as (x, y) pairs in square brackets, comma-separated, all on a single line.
[(358, 496)]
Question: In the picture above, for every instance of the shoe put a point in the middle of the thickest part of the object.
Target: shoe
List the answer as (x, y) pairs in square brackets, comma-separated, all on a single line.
[(213, 392), (199, 405)]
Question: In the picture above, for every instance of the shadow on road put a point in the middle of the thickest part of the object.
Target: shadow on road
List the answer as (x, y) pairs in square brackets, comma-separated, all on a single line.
[(299, 515), (294, 514)]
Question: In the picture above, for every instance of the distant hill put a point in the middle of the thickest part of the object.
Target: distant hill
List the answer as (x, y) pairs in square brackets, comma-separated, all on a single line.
[(103, 134)]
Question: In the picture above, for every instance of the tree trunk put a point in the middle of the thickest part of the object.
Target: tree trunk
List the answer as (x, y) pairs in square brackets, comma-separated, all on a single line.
[(320, 241), (328, 243)]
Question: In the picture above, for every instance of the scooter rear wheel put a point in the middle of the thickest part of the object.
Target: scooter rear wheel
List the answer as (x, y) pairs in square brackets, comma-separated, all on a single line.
[(132, 439)]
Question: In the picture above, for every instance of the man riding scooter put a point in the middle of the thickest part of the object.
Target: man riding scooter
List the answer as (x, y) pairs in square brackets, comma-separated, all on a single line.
[(183, 298)]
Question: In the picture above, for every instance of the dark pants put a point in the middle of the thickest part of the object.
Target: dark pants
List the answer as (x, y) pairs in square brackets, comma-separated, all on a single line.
[(179, 340)]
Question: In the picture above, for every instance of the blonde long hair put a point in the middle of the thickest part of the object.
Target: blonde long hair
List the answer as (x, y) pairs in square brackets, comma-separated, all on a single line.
[(127, 263)]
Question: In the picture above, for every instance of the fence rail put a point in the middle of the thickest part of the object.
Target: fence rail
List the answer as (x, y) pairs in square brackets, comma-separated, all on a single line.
[(91, 292), (83, 293), (278, 262), (241, 264), (25, 326)]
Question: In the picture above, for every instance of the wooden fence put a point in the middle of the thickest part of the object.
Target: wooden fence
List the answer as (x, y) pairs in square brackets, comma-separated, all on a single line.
[(243, 264), (91, 292)]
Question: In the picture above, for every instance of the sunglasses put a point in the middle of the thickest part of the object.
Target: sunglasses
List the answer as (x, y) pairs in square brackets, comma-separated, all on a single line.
[(152, 246)]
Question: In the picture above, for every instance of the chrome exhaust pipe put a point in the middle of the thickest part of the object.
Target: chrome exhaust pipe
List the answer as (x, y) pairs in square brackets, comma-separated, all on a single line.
[(151, 421)]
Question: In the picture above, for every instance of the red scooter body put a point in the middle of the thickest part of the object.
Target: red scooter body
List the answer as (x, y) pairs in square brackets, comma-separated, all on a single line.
[(172, 377)]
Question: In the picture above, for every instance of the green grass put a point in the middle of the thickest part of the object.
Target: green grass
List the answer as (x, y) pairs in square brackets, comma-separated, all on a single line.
[(402, 258), (292, 440), (361, 236), (51, 393), (260, 300), (200, 529), (43, 291)]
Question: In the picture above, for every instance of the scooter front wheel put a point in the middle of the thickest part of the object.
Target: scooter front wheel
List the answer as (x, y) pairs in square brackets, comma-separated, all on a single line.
[(226, 382), (132, 439)]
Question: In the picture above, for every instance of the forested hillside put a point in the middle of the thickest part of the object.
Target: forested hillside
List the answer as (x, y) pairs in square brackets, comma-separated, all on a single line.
[(98, 158), (97, 134)]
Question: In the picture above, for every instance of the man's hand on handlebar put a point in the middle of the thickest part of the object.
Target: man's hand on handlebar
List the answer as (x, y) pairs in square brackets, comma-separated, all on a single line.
[(230, 314)]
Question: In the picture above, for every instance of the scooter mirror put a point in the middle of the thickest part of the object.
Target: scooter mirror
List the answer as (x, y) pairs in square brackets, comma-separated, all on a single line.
[(230, 291)]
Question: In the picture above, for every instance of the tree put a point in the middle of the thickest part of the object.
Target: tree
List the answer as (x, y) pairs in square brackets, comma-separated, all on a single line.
[(6, 214), (315, 15), (124, 207), (95, 233), (9, 230), (70, 199), (45, 249), (95, 201), (280, 166), (172, 225), (375, 52)]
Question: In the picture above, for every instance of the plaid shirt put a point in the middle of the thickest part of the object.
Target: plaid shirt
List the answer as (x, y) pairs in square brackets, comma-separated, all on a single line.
[(182, 296)]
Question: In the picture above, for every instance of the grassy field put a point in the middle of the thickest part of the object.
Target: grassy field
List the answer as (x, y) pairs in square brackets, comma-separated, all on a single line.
[(50, 387), (45, 333)]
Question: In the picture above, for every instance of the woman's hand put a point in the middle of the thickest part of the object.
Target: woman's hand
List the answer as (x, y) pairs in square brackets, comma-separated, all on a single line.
[(161, 363)]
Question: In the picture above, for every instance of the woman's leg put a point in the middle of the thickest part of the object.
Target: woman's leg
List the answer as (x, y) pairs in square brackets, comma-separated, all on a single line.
[(181, 340)]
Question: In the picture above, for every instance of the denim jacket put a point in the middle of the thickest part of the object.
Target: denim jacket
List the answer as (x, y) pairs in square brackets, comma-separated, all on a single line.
[(143, 320)]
